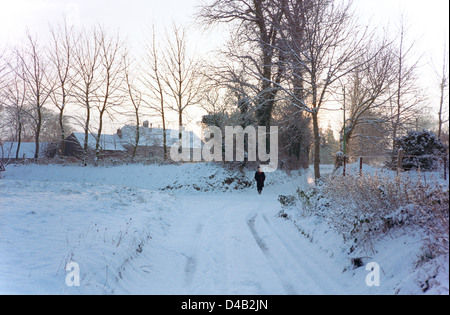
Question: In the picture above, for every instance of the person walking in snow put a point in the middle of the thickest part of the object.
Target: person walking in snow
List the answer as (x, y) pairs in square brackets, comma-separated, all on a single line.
[(260, 177)]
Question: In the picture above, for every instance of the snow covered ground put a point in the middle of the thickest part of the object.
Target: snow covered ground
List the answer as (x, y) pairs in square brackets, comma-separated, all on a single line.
[(188, 229)]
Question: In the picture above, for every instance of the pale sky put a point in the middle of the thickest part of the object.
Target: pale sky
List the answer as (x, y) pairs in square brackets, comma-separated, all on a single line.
[(429, 21)]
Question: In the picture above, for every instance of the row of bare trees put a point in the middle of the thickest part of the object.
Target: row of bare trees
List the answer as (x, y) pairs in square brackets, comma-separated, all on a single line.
[(92, 72), (83, 68)]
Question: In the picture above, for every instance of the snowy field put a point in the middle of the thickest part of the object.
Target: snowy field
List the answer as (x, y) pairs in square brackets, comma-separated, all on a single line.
[(189, 229)]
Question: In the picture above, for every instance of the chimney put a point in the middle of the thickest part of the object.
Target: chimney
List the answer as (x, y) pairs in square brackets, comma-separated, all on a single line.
[(119, 133)]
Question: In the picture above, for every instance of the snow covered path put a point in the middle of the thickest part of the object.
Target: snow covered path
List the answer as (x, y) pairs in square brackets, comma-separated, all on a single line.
[(234, 244)]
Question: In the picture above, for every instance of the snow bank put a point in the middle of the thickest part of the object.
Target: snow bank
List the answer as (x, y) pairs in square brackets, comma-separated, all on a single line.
[(405, 268), (368, 219), (186, 177)]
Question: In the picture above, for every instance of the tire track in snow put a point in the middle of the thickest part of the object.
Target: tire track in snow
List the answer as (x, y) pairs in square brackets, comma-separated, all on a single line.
[(191, 260), (201, 257), (322, 279), (279, 271)]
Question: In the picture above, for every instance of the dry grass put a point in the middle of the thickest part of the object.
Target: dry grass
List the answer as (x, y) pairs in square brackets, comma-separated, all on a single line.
[(362, 208)]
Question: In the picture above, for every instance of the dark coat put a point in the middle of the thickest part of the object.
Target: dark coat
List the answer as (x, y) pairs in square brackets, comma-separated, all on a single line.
[(260, 178)]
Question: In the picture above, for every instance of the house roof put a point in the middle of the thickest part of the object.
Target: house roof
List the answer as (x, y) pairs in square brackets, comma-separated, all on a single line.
[(154, 137)]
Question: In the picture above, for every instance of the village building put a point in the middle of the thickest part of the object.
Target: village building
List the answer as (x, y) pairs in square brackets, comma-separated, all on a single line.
[(121, 144), (151, 140), (110, 145)]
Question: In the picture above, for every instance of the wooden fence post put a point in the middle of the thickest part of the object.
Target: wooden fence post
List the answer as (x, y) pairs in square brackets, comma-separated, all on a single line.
[(399, 161), (2, 168), (345, 165), (360, 165)]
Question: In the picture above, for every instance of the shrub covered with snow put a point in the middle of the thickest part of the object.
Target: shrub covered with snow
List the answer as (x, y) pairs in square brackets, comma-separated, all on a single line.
[(422, 149), (363, 208)]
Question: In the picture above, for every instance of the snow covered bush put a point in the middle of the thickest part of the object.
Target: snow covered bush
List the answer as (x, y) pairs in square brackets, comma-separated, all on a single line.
[(363, 208), (421, 149), (432, 205), (286, 201)]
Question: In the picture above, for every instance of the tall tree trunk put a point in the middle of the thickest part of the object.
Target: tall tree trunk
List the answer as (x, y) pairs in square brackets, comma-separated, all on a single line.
[(138, 135), (440, 118), (86, 128), (19, 140), (316, 133), (99, 134), (63, 133), (164, 134), (38, 133), (444, 84), (180, 125), (399, 89)]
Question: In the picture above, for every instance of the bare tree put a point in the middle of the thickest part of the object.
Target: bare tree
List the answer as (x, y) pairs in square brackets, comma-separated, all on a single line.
[(62, 59), (229, 86), (182, 78), (366, 91), (153, 79), (87, 63), (4, 70), (14, 98), (35, 72), (135, 96), (257, 28), (328, 50), (403, 108), (20, 115), (18, 94), (443, 89), (109, 93)]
